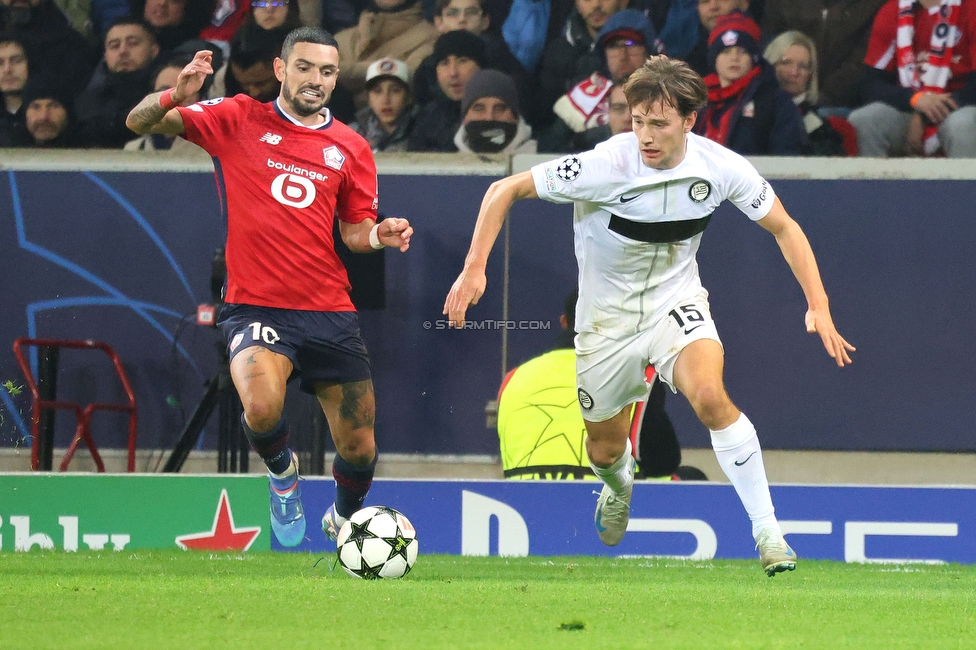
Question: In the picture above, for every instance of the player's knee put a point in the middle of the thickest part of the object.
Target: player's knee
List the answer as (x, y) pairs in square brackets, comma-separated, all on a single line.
[(262, 414), (359, 451), (711, 403)]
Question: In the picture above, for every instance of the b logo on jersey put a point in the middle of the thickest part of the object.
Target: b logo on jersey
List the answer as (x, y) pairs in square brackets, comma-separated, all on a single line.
[(569, 169), (270, 138), (699, 191), (293, 190), (333, 157)]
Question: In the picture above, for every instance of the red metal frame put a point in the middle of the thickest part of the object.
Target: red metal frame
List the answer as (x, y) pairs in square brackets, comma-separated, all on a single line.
[(83, 415)]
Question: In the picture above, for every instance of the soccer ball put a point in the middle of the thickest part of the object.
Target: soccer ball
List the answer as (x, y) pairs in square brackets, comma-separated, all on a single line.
[(377, 542)]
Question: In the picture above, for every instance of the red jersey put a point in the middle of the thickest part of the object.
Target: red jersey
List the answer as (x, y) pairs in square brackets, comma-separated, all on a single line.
[(281, 184), (882, 48)]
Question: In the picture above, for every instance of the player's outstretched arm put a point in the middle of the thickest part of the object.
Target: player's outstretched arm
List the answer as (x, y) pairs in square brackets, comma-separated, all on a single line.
[(470, 285), (155, 114), (796, 249), (392, 232)]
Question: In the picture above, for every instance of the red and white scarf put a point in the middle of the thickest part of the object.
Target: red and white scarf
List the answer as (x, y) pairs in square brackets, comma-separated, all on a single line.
[(937, 72)]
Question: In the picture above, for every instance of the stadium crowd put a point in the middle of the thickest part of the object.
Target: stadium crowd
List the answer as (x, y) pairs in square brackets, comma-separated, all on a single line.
[(785, 77)]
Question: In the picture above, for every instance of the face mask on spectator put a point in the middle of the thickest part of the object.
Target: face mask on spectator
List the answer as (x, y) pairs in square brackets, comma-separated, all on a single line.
[(489, 136)]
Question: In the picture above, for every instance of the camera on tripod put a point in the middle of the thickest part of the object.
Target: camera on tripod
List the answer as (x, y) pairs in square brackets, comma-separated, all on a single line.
[(207, 314)]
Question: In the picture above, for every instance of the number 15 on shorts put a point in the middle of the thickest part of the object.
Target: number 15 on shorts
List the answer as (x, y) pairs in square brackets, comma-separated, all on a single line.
[(688, 317)]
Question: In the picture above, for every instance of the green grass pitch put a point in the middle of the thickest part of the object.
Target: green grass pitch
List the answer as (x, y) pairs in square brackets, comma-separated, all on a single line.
[(176, 599)]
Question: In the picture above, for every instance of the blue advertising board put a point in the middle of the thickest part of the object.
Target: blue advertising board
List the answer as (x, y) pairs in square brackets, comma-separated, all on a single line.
[(689, 520), (125, 258)]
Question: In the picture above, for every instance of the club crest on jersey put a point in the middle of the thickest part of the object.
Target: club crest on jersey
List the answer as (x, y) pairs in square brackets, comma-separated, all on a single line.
[(699, 191), (236, 341), (584, 399), (333, 158), (569, 169)]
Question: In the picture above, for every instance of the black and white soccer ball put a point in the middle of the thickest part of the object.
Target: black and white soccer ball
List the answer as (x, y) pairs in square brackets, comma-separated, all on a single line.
[(377, 542)]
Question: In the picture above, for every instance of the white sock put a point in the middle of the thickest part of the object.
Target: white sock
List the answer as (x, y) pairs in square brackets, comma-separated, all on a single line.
[(619, 476), (737, 450)]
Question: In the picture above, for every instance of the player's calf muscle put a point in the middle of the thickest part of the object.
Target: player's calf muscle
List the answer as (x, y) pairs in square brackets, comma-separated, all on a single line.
[(358, 406)]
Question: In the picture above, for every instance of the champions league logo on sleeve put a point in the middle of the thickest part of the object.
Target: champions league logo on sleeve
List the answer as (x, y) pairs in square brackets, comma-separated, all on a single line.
[(198, 107), (569, 169)]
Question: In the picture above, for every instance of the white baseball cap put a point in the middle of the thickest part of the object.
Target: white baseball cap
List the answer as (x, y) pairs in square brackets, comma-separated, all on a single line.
[(388, 67)]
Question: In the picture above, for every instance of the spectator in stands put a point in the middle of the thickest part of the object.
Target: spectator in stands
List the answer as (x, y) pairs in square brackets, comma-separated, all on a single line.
[(119, 83), (389, 118), (491, 122), (338, 15), (275, 14), (103, 12), (540, 427), (576, 40), (164, 79), (460, 54), (624, 42), (388, 28), (618, 121), (840, 30), (709, 12), (48, 115), (250, 67), (676, 22), (56, 49), (793, 56), (13, 78), (175, 21), (747, 111), (470, 15), (919, 81), (229, 16), (78, 13)]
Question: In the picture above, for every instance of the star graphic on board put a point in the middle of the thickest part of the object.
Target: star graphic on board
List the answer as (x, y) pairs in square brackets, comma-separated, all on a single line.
[(358, 534), (224, 535)]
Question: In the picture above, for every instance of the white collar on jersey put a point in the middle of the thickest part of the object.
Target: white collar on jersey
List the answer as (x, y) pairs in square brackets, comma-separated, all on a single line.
[(325, 112)]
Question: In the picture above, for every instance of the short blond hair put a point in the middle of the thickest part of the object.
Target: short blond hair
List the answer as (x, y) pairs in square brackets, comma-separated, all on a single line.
[(776, 50), (669, 81)]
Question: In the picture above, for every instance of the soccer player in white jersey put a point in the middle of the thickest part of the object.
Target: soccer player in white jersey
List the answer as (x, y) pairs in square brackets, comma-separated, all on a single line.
[(641, 201)]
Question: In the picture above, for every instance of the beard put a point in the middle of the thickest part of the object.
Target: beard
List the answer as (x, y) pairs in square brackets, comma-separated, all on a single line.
[(303, 106)]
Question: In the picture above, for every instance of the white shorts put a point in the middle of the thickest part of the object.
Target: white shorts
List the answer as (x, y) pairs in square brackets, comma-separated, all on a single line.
[(611, 373)]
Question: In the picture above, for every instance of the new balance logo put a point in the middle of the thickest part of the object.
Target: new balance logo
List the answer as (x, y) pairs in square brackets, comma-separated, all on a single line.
[(270, 138)]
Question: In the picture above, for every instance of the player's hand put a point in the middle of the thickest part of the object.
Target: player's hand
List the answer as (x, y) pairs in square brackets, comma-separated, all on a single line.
[(936, 106), (191, 78), (395, 233), (467, 290), (819, 321)]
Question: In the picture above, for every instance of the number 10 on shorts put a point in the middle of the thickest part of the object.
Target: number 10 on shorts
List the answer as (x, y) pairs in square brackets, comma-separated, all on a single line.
[(264, 333)]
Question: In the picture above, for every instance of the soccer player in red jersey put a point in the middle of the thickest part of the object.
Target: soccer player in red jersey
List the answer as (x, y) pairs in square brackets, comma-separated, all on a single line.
[(284, 170)]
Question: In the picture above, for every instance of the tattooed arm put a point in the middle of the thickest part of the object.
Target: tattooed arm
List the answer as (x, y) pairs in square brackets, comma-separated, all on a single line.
[(149, 115)]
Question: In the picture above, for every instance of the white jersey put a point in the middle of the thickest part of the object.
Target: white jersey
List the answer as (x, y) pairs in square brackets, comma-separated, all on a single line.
[(637, 229)]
